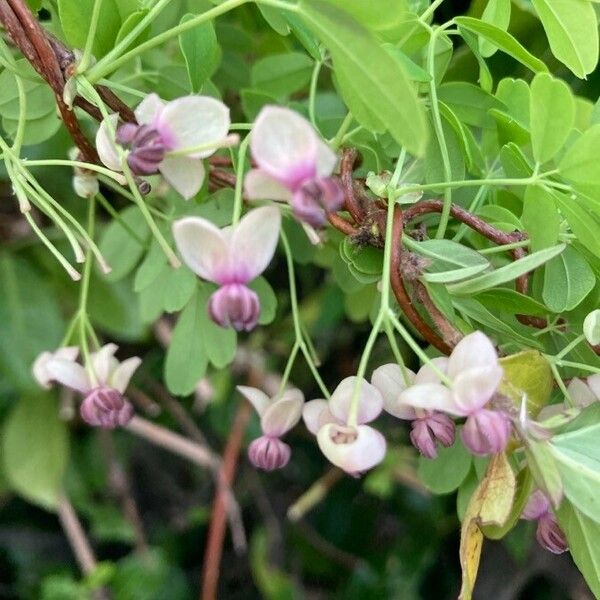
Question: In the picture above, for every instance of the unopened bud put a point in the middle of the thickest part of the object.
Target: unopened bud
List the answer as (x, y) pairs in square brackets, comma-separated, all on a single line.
[(430, 430), (147, 147), (106, 407), (234, 305), (549, 534), (269, 453), (486, 432)]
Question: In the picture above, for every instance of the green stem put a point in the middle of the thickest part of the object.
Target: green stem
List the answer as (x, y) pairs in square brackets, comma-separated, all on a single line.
[(505, 247), (429, 11), (570, 347), (57, 162), (396, 351), (288, 367), (91, 35), (468, 183), (575, 365), (238, 199), (313, 93), (561, 384), (339, 136)]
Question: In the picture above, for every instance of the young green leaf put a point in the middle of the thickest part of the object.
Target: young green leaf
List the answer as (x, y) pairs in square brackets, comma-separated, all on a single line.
[(496, 12), (281, 74), (201, 51), (445, 473), (540, 218), (582, 223)]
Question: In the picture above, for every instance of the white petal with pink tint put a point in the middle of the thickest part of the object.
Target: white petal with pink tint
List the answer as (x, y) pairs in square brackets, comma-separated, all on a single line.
[(388, 379), (121, 375), (364, 449), (537, 505), (194, 121), (149, 109), (40, 366), (105, 144), (430, 396), (258, 185), (428, 374), (70, 374), (474, 350), (283, 414), (104, 362), (283, 143), (594, 382), (474, 388), (203, 248), (184, 174), (581, 393), (326, 159), (370, 401), (259, 400), (311, 414), (254, 240)]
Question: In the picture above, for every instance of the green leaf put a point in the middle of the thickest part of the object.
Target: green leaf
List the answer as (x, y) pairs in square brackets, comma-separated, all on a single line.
[(275, 17), (179, 286), (552, 115), (39, 101), (268, 300), (496, 12), (281, 74), (583, 536), (504, 299), (373, 84), (129, 24), (572, 30), (150, 267), (544, 470), (444, 474), (568, 279), (540, 218), (469, 102), (253, 102), (582, 223), (35, 449), (201, 51), (580, 163), (75, 20), (502, 40), (506, 273), (186, 359), (413, 70), (379, 16)]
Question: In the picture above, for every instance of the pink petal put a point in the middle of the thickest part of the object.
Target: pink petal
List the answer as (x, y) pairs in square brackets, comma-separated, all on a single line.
[(149, 109), (104, 362), (326, 159), (258, 185), (284, 145), (537, 506), (474, 350), (357, 455), (427, 374), (389, 381), (194, 121), (69, 373), (120, 377), (311, 414), (184, 174), (253, 242), (256, 397), (430, 396), (370, 401), (203, 248), (283, 414), (105, 144), (474, 388)]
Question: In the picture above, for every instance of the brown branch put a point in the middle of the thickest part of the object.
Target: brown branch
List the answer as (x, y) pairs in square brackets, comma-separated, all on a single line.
[(341, 224), (353, 206), (448, 331), (216, 532), (402, 295)]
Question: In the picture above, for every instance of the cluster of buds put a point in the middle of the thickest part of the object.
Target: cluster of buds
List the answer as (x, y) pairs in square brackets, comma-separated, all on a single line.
[(548, 533), (102, 383)]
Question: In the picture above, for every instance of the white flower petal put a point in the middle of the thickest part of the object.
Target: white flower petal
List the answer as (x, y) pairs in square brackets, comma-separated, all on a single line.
[(256, 397), (427, 374), (184, 174), (104, 362), (311, 414), (474, 388), (258, 185), (474, 350), (363, 453), (370, 401), (581, 393), (69, 373), (39, 368), (194, 121), (253, 242), (284, 145), (283, 414), (430, 396), (149, 109), (119, 378), (388, 379), (594, 382), (203, 247), (326, 159), (105, 144)]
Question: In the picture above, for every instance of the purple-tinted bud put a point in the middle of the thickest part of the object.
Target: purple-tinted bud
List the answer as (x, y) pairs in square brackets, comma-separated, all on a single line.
[(486, 432), (269, 453), (147, 147), (234, 305), (428, 431), (549, 535), (126, 133), (106, 407), (315, 198)]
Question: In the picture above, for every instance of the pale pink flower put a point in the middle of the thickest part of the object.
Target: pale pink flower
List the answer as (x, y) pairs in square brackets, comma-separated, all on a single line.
[(294, 165), (40, 366), (172, 137), (354, 449), (277, 416), (583, 393), (104, 404), (475, 374), (549, 534), (428, 428), (230, 257)]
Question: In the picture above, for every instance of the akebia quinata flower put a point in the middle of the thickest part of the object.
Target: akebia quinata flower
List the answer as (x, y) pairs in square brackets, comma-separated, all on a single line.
[(294, 165), (474, 375), (428, 428), (231, 257), (102, 384), (277, 416), (170, 137), (353, 448), (548, 533)]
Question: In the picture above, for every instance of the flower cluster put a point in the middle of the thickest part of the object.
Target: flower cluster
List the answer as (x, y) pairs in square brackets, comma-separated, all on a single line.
[(548, 533), (102, 382)]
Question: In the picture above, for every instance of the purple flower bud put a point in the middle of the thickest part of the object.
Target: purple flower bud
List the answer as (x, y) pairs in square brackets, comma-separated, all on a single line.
[(147, 147), (427, 431), (106, 407), (549, 535), (486, 431), (315, 198), (269, 453), (234, 305)]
